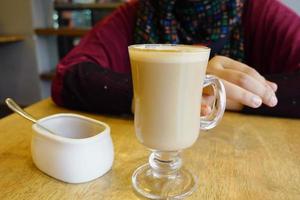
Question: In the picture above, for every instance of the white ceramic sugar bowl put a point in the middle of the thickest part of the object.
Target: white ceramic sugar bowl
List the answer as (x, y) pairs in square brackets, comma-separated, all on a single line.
[(80, 150)]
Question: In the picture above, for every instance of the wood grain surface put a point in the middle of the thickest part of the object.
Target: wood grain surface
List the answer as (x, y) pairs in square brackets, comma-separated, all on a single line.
[(245, 157)]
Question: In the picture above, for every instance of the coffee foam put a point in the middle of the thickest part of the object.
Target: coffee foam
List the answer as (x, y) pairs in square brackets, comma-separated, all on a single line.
[(168, 53)]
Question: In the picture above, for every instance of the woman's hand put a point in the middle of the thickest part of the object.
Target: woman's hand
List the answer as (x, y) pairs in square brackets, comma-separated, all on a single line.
[(243, 84)]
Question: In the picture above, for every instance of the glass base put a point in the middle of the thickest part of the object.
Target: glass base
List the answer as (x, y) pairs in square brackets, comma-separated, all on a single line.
[(157, 186)]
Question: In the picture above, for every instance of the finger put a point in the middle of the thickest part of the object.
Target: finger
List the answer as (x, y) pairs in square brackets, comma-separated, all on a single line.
[(250, 84), (228, 63), (233, 105), (205, 110), (272, 85), (206, 104), (207, 99), (239, 66), (240, 95)]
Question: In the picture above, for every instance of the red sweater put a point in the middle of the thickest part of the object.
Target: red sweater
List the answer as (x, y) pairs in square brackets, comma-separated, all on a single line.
[(95, 75)]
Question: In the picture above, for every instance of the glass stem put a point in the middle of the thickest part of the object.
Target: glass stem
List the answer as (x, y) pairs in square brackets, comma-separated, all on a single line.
[(165, 164)]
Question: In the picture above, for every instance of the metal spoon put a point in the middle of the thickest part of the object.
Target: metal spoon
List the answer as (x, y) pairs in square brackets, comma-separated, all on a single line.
[(17, 109)]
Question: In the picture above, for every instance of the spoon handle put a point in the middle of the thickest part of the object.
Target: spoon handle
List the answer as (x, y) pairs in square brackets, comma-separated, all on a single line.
[(15, 107)]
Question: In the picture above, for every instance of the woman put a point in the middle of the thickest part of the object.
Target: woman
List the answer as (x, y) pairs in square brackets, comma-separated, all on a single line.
[(264, 34)]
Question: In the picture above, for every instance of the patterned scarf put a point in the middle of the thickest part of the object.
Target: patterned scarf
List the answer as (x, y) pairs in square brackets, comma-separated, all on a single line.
[(214, 23)]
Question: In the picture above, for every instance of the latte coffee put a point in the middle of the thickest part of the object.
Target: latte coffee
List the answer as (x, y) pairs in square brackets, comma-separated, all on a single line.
[(167, 83)]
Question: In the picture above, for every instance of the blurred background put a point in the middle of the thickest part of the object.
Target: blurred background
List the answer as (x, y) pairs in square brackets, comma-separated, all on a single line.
[(35, 34)]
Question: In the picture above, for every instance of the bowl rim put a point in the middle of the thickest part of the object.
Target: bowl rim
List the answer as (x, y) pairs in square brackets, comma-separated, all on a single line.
[(99, 136)]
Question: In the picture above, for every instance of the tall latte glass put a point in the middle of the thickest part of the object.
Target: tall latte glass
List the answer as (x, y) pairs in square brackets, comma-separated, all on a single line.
[(168, 82)]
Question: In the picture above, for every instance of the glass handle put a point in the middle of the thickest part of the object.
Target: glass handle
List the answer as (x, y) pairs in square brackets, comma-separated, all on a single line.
[(218, 108)]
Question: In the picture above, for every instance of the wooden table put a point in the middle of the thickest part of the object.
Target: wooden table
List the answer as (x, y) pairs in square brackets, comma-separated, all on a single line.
[(245, 157)]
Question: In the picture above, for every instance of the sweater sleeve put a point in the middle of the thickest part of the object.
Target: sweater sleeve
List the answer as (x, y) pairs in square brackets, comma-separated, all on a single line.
[(89, 87), (95, 75), (272, 47)]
